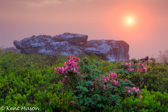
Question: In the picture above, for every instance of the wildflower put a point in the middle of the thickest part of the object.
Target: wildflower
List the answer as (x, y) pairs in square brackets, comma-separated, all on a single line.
[(134, 89), (115, 82), (129, 91), (73, 102), (69, 56), (131, 69), (113, 75), (82, 74), (60, 81), (145, 69), (140, 96), (104, 86), (137, 90), (74, 70), (65, 76), (140, 69)]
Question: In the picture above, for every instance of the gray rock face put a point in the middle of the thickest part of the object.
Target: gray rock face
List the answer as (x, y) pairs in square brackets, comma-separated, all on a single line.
[(74, 44), (12, 49), (108, 49), (44, 44), (71, 38)]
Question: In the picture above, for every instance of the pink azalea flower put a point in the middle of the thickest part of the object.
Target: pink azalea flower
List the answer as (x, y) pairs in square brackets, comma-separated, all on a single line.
[(134, 89), (104, 86), (137, 90), (73, 102), (74, 70), (95, 85), (112, 75), (129, 91), (62, 69), (115, 82), (140, 69), (145, 69), (65, 76), (69, 56), (131, 69), (140, 96), (66, 67), (82, 74)]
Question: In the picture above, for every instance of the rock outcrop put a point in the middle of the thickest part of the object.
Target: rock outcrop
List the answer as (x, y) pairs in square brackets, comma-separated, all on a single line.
[(12, 49), (74, 39), (108, 49), (74, 44)]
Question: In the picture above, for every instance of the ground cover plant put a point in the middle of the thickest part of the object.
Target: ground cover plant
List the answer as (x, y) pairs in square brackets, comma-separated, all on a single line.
[(79, 83)]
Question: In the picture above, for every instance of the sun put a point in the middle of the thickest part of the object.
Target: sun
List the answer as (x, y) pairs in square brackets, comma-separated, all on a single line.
[(129, 20)]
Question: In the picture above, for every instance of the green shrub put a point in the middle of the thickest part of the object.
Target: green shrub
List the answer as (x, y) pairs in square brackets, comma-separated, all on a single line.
[(150, 102), (30, 80), (93, 90), (154, 78)]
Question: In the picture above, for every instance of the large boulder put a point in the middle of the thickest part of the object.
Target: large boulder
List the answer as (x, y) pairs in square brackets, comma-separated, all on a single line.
[(12, 49), (74, 44), (44, 44), (108, 49), (71, 38)]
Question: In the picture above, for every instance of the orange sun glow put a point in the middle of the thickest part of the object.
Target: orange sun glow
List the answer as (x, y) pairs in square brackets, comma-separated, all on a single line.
[(129, 20)]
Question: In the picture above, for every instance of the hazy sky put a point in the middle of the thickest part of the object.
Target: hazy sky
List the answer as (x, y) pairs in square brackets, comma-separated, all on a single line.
[(147, 33)]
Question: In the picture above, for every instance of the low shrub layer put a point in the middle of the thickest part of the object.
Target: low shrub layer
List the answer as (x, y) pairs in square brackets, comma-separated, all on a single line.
[(58, 83)]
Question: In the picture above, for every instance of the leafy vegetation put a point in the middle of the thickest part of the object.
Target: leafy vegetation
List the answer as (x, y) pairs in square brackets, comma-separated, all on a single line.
[(60, 83)]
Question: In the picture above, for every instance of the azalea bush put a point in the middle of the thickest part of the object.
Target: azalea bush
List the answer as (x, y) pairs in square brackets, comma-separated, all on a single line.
[(93, 90), (150, 102), (145, 73), (155, 79), (81, 84), (30, 81), (129, 68)]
